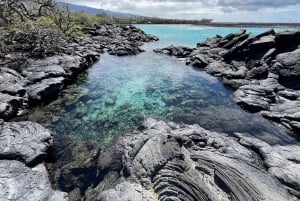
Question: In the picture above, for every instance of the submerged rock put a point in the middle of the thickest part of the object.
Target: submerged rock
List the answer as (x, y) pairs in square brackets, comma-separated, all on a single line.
[(111, 100), (168, 161), (77, 168)]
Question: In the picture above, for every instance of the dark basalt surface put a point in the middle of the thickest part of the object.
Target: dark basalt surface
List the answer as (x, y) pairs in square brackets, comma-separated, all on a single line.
[(167, 161), (264, 70), (23, 175), (120, 40), (26, 82)]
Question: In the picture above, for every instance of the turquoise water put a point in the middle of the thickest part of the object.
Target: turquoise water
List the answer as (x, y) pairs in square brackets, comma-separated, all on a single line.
[(118, 93), (189, 35)]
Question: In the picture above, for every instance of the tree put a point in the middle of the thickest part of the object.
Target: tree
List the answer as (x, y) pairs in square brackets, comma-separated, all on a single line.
[(11, 10), (62, 17), (22, 10), (35, 27)]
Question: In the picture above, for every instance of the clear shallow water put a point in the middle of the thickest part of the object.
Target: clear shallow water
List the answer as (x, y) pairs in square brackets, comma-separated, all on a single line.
[(118, 93)]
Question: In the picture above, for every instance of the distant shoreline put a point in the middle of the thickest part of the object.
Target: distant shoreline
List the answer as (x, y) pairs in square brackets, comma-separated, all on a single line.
[(233, 24), (251, 24)]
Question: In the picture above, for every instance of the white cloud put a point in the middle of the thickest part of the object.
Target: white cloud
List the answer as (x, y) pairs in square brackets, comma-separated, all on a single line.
[(219, 10)]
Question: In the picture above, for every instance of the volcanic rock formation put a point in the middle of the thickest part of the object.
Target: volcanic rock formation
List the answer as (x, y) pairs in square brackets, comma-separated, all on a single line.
[(264, 70), (23, 176), (167, 161)]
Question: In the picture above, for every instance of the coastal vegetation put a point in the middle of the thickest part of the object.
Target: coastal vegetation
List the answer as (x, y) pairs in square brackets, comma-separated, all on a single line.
[(40, 27)]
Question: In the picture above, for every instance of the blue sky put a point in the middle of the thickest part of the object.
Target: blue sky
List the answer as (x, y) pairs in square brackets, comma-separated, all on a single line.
[(219, 10)]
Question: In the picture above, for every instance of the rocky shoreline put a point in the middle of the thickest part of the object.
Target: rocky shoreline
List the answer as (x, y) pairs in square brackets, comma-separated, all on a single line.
[(26, 82), (264, 70), (161, 160), (168, 161)]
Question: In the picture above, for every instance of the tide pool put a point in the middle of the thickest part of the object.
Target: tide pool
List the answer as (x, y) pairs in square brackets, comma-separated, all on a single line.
[(118, 93)]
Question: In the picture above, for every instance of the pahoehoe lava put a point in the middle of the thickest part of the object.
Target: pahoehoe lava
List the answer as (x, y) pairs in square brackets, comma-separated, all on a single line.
[(168, 161)]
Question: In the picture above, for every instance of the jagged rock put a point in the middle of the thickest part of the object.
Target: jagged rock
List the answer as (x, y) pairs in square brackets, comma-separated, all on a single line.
[(11, 82), (199, 61), (21, 183), (10, 106), (287, 40), (260, 72), (265, 42), (128, 49), (167, 161), (123, 40), (266, 33), (289, 94), (269, 55), (35, 74), (175, 51), (288, 112), (125, 191), (235, 41), (283, 162), (25, 141), (210, 42), (231, 37), (77, 168), (254, 98), (239, 47), (287, 65), (44, 89), (217, 68), (235, 83)]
